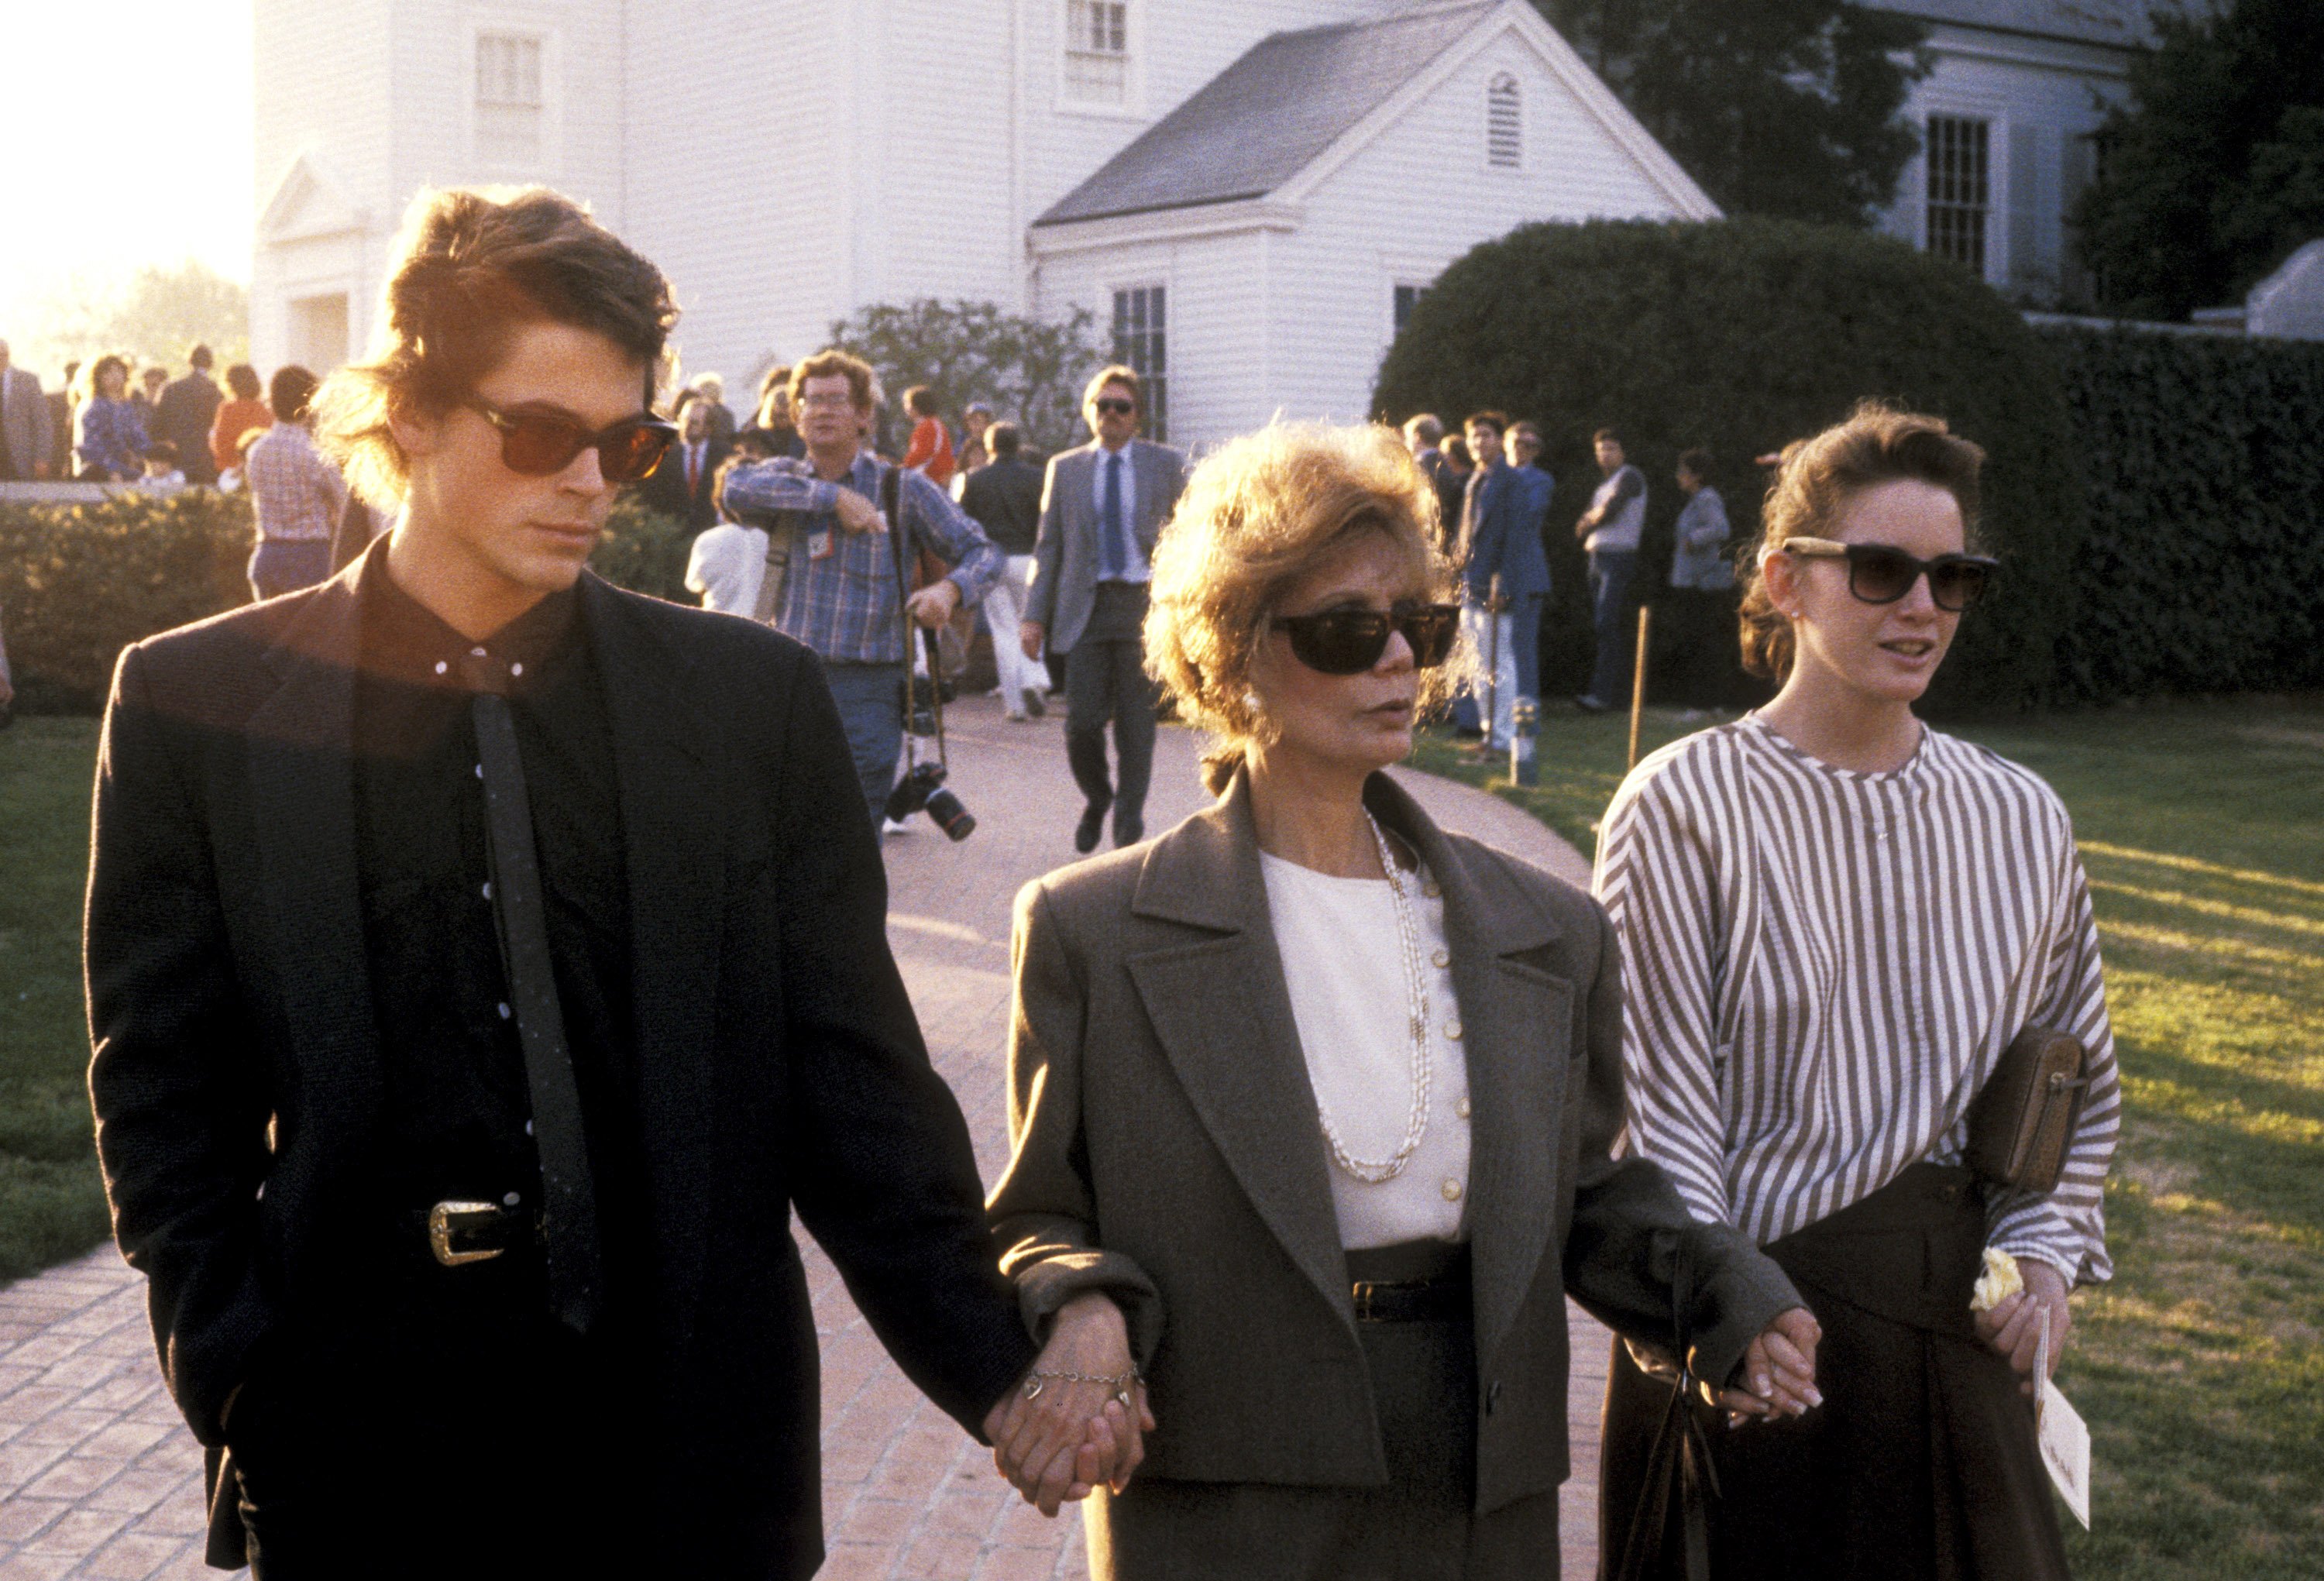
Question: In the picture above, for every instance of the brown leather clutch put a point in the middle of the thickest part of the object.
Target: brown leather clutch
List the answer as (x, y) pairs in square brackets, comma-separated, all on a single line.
[(2021, 1125)]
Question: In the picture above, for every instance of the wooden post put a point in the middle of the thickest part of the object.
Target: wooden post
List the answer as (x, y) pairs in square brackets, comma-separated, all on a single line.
[(1638, 682)]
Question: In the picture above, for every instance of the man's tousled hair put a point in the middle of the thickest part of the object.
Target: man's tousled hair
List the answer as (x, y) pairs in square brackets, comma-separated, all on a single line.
[(472, 265)]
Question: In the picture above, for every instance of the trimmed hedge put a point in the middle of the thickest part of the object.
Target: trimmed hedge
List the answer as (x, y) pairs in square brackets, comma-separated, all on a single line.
[(1740, 336), (2204, 564), (80, 583)]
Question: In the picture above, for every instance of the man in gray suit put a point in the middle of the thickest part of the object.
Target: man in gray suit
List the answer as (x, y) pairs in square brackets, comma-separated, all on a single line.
[(24, 423), (1102, 507)]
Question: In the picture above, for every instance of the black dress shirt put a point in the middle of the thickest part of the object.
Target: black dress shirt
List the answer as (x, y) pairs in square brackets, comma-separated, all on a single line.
[(458, 1107)]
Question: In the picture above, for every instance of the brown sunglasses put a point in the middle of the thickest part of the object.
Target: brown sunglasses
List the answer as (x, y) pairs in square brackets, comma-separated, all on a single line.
[(538, 444)]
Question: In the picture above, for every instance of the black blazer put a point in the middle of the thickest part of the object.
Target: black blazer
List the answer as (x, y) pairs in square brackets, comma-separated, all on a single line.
[(666, 490), (782, 1066)]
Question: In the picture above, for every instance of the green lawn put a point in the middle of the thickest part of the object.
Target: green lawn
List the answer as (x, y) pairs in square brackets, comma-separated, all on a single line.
[(2200, 1367), (51, 1205)]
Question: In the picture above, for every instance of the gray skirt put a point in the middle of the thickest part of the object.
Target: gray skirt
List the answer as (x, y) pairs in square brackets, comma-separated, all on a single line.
[(1420, 1527)]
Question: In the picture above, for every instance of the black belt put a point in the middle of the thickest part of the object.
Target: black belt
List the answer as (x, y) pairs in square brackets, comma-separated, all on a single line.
[(1416, 1282)]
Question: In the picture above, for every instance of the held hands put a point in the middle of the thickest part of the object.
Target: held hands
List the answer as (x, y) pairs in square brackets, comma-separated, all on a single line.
[(1057, 1437), (933, 605), (2012, 1324), (1029, 635), (1777, 1376)]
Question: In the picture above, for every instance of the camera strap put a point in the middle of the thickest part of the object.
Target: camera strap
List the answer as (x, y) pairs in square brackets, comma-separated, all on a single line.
[(891, 506)]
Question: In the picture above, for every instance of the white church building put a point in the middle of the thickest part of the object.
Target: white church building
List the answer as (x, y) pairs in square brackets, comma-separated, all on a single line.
[(1249, 193)]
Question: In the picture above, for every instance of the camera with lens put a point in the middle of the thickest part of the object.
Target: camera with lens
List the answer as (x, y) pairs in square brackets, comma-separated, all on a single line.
[(923, 791)]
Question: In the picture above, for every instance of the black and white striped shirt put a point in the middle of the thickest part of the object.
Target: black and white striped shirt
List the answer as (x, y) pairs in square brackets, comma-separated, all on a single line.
[(1823, 967)]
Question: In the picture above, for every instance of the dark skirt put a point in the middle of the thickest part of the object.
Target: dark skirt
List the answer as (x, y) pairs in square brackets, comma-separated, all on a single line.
[(1920, 1466), (1420, 1527)]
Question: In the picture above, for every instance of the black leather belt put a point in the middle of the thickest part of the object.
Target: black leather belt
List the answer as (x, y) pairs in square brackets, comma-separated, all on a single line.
[(463, 1232), (1409, 1300)]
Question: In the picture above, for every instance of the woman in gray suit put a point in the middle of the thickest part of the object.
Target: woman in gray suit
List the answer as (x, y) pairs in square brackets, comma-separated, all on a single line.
[(1312, 1101)]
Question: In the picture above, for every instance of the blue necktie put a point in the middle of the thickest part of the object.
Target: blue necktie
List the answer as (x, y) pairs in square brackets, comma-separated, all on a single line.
[(1116, 557)]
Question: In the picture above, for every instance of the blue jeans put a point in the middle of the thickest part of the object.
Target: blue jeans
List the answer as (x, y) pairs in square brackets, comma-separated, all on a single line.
[(871, 699), (280, 566), (1609, 588), (1517, 647)]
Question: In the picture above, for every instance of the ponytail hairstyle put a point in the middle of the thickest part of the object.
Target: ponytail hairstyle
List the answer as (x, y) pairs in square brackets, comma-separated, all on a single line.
[(471, 265), (1814, 482)]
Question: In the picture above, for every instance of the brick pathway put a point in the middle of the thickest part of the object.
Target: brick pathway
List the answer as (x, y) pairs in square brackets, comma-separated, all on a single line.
[(99, 1478)]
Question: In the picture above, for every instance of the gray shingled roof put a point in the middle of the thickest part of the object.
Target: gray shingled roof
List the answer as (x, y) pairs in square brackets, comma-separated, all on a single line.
[(2120, 22), (1264, 118)]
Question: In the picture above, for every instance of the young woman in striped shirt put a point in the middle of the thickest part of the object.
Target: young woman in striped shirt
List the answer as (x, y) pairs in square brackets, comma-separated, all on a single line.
[(1835, 920)]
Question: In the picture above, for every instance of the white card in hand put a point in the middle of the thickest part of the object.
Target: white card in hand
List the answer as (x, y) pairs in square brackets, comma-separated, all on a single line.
[(2065, 1441)]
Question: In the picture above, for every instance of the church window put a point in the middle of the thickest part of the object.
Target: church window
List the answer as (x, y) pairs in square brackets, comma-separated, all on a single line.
[(1139, 343), (1097, 52), (1504, 123), (1960, 188), (508, 98)]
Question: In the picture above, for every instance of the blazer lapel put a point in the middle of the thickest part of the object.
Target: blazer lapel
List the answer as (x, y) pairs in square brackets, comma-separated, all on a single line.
[(671, 824), (301, 765), (1222, 1013), (1516, 1021)]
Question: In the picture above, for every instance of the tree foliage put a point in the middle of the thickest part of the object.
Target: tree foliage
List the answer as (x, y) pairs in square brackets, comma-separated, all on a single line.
[(1029, 370), (155, 316), (2213, 170), (1741, 335), (1780, 107)]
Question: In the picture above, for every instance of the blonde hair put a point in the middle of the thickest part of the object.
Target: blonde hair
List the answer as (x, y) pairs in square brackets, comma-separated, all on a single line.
[(1115, 373), (471, 265), (1257, 514), (1814, 484)]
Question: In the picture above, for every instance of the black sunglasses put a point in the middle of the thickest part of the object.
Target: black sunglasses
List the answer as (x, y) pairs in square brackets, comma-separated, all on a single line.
[(1114, 406), (1347, 642), (538, 444), (1881, 573)]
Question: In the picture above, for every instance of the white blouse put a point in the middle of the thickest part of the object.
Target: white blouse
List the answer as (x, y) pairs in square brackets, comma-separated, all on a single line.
[(725, 565), (1343, 962)]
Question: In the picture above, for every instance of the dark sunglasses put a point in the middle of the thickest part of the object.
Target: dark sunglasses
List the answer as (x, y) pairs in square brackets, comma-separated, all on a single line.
[(1113, 406), (1347, 642), (1880, 573), (539, 445)]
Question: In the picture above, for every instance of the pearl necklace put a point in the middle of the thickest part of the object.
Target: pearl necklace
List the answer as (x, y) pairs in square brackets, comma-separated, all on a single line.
[(1417, 1002)]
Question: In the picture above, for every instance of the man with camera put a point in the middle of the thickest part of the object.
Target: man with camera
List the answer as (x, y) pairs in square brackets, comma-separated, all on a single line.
[(835, 574)]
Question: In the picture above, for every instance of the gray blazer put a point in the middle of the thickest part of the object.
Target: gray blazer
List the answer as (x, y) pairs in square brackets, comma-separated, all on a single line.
[(1166, 1151), (1065, 555), (25, 414)]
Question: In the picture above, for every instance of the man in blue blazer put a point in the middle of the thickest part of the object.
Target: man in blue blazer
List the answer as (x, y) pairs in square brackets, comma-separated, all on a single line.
[(1505, 570)]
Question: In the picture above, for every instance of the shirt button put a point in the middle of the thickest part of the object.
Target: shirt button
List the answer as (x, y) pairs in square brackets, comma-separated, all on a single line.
[(510, 1201), (528, 1127), (1442, 958), (476, 653), (516, 669), (1461, 1109), (1451, 1191), (480, 771), (504, 1016), (1430, 889), (1453, 1030), (441, 667), (488, 889)]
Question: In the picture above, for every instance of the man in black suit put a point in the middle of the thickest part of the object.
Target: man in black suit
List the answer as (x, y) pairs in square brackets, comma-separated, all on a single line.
[(183, 416), (681, 486), (483, 963)]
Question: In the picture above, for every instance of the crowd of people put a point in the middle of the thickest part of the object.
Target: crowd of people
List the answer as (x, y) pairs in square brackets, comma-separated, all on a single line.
[(485, 962)]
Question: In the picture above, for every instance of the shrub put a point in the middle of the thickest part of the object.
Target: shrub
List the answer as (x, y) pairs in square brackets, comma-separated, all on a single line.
[(1741, 335), (2204, 568), (79, 582)]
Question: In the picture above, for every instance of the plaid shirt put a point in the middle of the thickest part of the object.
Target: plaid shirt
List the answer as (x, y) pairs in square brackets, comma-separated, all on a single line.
[(297, 493), (844, 605)]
